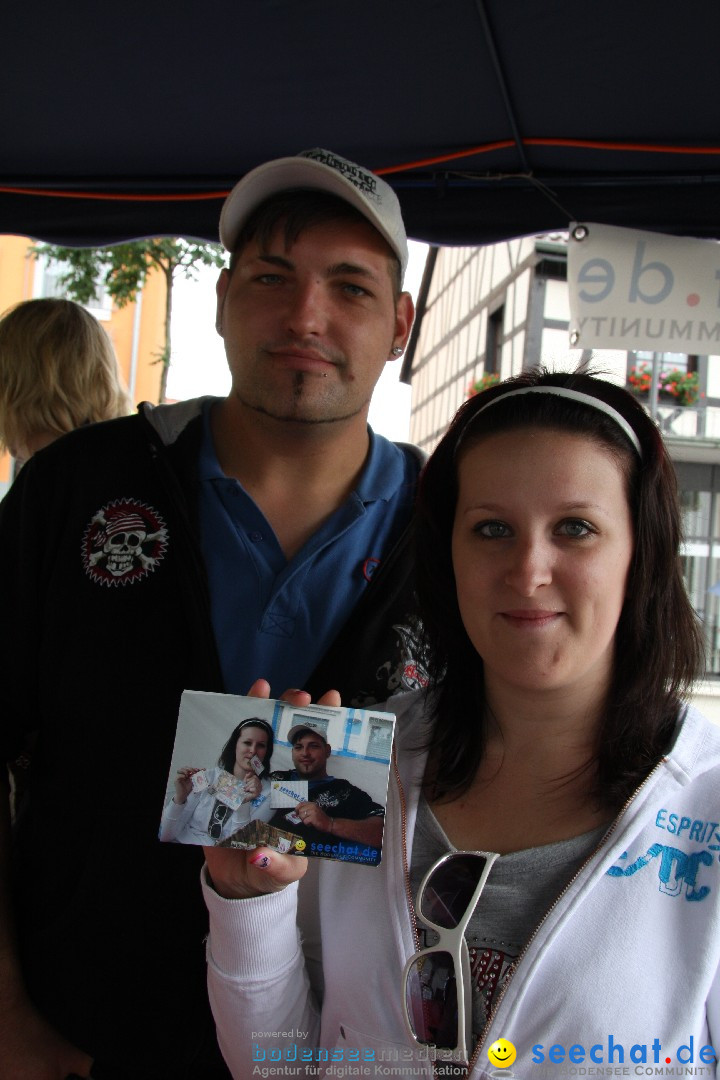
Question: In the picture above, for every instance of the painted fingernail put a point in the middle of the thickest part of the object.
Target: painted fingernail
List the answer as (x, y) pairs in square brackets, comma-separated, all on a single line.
[(261, 861)]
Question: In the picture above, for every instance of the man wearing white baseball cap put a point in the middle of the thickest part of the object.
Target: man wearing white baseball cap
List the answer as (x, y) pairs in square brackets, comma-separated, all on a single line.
[(310, 310), (334, 806), (269, 539), (319, 170)]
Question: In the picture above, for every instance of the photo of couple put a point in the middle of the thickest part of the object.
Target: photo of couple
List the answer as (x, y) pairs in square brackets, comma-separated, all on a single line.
[(303, 781)]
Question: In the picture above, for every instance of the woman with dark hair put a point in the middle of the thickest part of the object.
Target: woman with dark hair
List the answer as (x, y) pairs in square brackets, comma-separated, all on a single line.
[(211, 805), (657, 643), (235, 748), (550, 870)]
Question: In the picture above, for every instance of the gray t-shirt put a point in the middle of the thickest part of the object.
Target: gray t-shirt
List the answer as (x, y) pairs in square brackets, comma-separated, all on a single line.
[(520, 889)]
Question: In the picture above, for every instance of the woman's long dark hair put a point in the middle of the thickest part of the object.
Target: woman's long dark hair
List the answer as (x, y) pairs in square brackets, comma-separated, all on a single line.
[(227, 756), (658, 644)]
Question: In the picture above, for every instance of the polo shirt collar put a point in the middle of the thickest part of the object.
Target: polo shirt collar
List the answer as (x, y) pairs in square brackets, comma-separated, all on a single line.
[(382, 475)]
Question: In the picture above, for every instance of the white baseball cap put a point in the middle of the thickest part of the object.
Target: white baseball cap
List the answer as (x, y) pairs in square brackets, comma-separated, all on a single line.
[(320, 170), (307, 725)]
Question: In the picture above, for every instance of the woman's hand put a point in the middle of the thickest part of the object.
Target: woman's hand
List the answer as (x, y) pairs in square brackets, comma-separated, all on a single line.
[(239, 875), (252, 786), (183, 784)]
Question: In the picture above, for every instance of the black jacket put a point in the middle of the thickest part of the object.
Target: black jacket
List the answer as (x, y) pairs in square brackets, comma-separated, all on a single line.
[(104, 620)]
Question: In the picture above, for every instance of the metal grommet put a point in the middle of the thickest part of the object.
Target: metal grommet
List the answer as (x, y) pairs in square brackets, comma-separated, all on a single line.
[(580, 232)]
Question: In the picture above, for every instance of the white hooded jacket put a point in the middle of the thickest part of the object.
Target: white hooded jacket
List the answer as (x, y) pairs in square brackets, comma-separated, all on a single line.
[(621, 973)]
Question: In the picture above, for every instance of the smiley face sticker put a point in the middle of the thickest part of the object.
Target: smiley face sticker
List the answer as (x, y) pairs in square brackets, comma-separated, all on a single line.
[(501, 1054)]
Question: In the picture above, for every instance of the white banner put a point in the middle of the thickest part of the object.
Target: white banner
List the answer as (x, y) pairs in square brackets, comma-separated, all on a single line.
[(642, 290)]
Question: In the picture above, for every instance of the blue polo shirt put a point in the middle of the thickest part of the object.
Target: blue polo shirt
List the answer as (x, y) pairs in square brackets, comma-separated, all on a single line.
[(275, 619)]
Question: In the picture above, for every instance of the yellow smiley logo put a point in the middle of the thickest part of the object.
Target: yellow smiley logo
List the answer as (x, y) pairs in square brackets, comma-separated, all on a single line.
[(502, 1053), (299, 845)]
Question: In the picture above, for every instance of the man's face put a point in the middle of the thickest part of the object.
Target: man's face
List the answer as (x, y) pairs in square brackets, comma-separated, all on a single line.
[(309, 328), (310, 753)]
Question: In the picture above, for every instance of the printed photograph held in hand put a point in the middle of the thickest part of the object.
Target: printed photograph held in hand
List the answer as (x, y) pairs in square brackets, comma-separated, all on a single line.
[(247, 771)]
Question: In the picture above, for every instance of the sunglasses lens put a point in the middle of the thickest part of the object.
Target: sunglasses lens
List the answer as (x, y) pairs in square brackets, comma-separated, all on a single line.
[(432, 1000), (219, 816), (448, 894)]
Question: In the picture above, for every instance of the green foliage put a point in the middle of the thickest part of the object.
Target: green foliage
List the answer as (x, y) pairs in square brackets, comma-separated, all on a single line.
[(483, 382), (123, 268), (640, 378), (684, 386)]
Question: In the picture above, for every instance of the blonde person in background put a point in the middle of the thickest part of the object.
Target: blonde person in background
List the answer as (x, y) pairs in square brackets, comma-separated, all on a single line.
[(58, 371)]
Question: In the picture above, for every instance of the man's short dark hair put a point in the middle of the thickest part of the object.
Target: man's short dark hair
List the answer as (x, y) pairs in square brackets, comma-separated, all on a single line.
[(300, 209)]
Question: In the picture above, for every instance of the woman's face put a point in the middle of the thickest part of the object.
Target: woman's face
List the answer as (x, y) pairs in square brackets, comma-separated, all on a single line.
[(542, 544), (252, 741)]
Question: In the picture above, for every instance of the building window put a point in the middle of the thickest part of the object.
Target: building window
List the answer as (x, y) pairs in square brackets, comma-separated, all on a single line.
[(494, 341), (700, 559), (47, 285), (663, 362)]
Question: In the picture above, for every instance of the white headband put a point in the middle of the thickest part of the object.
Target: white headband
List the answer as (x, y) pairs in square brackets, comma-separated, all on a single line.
[(573, 395)]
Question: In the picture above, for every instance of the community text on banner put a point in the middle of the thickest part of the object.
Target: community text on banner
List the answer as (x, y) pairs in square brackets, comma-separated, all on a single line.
[(642, 290)]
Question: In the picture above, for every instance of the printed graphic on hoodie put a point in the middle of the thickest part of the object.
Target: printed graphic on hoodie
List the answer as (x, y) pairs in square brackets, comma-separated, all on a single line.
[(680, 873), (125, 541)]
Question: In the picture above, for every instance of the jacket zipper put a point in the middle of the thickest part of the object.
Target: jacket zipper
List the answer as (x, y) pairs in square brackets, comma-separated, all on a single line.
[(168, 475), (406, 861), (514, 966), (516, 963), (406, 874)]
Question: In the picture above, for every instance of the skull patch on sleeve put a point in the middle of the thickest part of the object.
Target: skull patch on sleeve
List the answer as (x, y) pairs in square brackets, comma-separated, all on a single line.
[(124, 542)]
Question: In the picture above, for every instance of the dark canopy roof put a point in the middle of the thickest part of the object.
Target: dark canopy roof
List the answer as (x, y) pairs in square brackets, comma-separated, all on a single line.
[(491, 118)]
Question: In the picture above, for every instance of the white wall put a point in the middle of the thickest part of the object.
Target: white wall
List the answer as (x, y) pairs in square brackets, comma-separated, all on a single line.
[(707, 699)]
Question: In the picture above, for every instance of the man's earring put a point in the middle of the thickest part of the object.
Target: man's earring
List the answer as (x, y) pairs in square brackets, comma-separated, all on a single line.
[(397, 350)]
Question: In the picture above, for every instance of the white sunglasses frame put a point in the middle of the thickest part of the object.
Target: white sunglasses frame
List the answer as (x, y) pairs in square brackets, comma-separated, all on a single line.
[(451, 941)]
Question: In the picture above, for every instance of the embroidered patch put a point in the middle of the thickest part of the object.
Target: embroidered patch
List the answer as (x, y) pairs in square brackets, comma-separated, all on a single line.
[(123, 543), (364, 181)]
